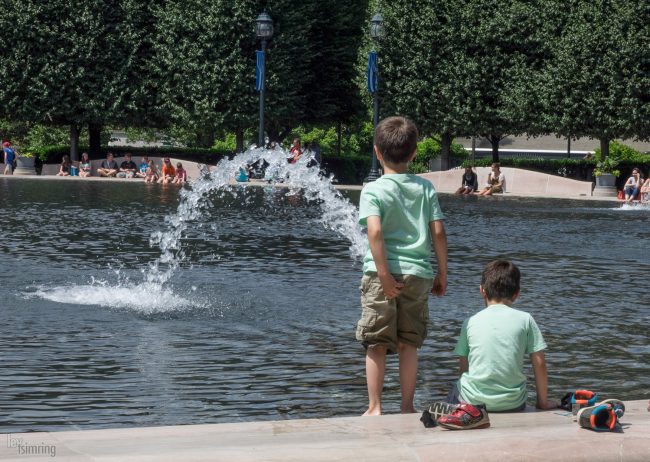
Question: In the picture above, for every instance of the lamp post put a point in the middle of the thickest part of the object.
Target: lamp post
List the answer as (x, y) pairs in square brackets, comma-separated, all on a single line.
[(376, 33), (264, 32)]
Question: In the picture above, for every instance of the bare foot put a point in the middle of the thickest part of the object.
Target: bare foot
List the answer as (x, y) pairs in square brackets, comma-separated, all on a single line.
[(409, 410), (372, 412), (648, 406)]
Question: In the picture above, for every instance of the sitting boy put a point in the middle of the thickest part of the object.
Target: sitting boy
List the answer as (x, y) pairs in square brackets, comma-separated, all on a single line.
[(403, 217), (491, 350)]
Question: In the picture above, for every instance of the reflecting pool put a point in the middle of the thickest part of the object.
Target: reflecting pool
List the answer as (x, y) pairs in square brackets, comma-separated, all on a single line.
[(258, 322)]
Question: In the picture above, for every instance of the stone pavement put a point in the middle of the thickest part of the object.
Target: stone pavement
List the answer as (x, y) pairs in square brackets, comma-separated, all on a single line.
[(529, 436)]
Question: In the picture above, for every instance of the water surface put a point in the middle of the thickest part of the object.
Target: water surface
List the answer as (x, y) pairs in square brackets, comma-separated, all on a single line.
[(258, 323)]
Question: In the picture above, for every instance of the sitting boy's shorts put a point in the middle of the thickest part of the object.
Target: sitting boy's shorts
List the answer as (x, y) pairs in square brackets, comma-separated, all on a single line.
[(402, 319)]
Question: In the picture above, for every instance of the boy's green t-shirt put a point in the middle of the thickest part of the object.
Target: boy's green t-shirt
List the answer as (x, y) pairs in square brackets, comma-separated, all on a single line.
[(406, 204), (495, 341)]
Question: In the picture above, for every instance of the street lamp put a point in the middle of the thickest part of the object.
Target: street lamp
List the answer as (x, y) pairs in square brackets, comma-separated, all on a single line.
[(376, 33), (264, 32)]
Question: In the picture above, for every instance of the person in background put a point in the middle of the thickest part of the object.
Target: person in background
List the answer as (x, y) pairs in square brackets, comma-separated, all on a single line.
[(296, 151), (64, 169), (469, 183), (109, 167), (181, 174), (85, 168), (9, 158), (168, 172), (151, 175), (127, 168), (632, 185), (496, 182), (144, 165), (645, 191)]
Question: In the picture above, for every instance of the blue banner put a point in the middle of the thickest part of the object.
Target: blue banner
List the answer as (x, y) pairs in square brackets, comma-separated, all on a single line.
[(372, 72), (259, 73)]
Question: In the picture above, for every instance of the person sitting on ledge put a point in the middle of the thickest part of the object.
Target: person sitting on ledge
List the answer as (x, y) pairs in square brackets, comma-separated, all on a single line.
[(127, 168), (632, 185), (645, 191), (144, 165), (152, 173), (168, 172), (85, 169), (108, 167), (492, 345), (181, 174), (64, 169), (470, 182), (496, 182)]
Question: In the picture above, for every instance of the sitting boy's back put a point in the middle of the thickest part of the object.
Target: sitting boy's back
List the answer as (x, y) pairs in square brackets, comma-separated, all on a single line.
[(492, 345)]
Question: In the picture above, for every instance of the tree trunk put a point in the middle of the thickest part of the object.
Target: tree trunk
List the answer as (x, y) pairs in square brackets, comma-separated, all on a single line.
[(604, 149), (206, 138), (239, 139), (445, 151), (338, 139), (74, 143), (94, 141), (494, 141)]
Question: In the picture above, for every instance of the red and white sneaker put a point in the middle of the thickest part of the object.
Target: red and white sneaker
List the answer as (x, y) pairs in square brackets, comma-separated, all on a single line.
[(465, 417)]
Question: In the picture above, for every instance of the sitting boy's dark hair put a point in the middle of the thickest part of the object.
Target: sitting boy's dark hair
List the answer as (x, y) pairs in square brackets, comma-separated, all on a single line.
[(396, 138), (500, 280)]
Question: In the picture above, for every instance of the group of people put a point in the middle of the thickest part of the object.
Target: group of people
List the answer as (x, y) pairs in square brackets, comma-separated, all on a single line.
[(127, 169), (496, 182), (403, 217), (635, 186)]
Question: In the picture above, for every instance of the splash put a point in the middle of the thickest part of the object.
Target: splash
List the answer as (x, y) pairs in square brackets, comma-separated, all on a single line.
[(338, 214), (633, 207), (145, 298)]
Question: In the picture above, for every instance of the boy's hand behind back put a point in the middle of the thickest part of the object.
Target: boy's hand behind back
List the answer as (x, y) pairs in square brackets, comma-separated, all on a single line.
[(439, 285), (390, 286)]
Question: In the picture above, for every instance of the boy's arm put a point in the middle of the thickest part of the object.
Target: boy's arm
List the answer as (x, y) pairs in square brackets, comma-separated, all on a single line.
[(390, 286), (463, 365), (439, 239), (541, 381)]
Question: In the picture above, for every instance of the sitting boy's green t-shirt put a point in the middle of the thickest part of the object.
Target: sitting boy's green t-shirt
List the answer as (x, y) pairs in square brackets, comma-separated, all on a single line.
[(495, 341), (406, 204)]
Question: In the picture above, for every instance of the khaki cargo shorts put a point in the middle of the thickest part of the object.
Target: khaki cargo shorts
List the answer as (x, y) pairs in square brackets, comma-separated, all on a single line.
[(402, 319)]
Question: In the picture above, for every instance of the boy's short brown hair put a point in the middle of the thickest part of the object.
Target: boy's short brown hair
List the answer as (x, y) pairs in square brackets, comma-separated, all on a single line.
[(396, 138), (500, 280)]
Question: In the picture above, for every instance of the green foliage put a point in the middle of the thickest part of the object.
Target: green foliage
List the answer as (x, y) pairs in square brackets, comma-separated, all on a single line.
[(356, 140), (596, 78), (226, 145), (621, 152), (430, 149), (608, 165)]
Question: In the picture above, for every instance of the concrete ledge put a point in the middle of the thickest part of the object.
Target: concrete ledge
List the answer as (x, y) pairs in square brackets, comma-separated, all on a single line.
[(518, 181), (538, 436)]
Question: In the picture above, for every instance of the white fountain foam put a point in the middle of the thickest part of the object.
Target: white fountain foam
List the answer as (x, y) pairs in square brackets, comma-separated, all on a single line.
[(635, 207), (338, 214), (152, 296), (146, 298)]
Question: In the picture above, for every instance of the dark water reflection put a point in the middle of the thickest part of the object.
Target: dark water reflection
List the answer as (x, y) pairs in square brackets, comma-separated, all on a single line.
[(272, 301)]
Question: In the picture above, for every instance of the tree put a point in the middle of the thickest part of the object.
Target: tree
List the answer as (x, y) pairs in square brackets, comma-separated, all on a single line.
[(597, 83), (78, 63)]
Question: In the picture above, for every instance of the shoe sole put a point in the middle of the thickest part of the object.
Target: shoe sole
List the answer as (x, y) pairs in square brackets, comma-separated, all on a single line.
[(475, 426), (616, 404)]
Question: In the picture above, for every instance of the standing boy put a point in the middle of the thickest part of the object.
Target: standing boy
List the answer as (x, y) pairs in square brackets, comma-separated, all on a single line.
[(403, 218), (9, 158), (491, 350)]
